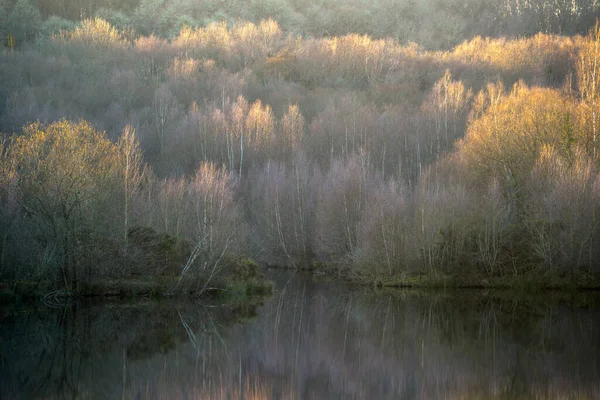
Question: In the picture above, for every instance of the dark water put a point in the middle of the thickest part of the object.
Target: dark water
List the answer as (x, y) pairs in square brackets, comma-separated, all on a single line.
[(311, 340)]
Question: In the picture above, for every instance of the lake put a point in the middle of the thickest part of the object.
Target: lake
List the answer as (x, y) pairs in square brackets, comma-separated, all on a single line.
[(312, 339)]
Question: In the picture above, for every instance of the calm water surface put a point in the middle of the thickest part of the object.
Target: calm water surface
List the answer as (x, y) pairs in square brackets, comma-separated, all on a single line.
[(311, 340)]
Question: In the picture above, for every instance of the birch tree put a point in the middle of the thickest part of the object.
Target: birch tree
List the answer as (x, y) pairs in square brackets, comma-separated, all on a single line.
[(132, 171), (588, 81)]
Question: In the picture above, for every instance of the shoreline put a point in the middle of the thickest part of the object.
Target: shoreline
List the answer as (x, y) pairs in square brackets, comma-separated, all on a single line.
[(533, 280), (171, 287), (136, 288)]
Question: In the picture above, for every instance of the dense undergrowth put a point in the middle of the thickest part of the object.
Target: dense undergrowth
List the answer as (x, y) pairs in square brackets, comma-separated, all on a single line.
[(175, 158)]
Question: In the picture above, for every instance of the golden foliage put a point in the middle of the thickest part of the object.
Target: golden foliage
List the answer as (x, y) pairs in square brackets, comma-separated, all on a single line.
[(63, 150), (533, 57), (588, 67), (184, 68), (95, 32), (245, 41), (506, 138), (260, 125)]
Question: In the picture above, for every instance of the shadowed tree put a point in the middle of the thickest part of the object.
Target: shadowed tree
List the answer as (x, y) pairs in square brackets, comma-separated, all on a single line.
[(166, 110), (146, 16), (54, 25), (385, 229), (341, 203), (22, 25), (564, 194), (9, 202), (282, 210)]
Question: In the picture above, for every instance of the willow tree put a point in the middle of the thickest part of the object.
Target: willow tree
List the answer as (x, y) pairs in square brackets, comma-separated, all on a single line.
[(65, 173)]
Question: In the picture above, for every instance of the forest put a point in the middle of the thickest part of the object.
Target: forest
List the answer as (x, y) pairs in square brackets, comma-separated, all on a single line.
[(433, 24), (390, 142)]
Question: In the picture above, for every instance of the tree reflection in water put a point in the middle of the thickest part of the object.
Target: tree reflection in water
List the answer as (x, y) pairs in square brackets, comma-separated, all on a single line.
[(311, 340)]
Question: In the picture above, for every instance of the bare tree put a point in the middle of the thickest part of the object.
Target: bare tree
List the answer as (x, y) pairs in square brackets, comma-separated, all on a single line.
[(588, 81), (340, 206), (166, 110)]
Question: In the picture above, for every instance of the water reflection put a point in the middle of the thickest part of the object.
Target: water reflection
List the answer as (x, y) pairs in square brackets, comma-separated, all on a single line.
[(311, 340)]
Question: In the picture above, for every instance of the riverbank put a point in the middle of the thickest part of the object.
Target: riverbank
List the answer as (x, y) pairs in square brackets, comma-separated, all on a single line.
[(514, 282), (534, 279), (247, 280), (244, 280), (137, 288)]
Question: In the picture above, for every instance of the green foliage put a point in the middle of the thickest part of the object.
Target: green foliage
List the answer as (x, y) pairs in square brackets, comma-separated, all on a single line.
[(147, 16), (55, 25), (116, 18), (245, 269), (246, 279), (157, 253), (4, 32), (23, 23), (270, 9), (179, 23)]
